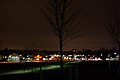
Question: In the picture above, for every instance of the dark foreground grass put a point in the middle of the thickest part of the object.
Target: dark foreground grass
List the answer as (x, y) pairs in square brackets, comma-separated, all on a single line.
[(77, 71)]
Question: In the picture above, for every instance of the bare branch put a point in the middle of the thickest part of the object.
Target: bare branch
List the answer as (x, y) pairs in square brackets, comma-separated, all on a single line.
[(76, 12), (114, 25), (76, 34)]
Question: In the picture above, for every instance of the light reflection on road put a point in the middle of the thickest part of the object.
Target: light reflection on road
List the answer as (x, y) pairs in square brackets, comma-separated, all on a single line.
[(34, 69)]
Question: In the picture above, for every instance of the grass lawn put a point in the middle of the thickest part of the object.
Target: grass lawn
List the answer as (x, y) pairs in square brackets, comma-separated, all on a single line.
[(74, 71)]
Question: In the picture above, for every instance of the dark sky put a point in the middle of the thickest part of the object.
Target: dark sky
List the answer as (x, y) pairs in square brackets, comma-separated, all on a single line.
[(23, 25)]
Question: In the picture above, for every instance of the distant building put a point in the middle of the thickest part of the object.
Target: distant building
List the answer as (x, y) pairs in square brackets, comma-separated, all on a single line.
[(13, 58), (38, 58)]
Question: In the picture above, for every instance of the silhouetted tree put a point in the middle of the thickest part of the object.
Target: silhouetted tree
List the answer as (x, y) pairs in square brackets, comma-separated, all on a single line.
[(62, 14), (114, 27)]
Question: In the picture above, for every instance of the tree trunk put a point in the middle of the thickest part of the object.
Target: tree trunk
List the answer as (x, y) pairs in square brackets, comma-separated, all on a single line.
[(119, 61), (119, 53), (61, 52)]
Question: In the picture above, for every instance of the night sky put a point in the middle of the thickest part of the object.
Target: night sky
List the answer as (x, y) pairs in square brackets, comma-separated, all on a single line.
[(23, 25)]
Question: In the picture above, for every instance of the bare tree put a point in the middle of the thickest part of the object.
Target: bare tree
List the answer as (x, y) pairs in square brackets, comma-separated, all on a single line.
[(64, 16), (114, 27)]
